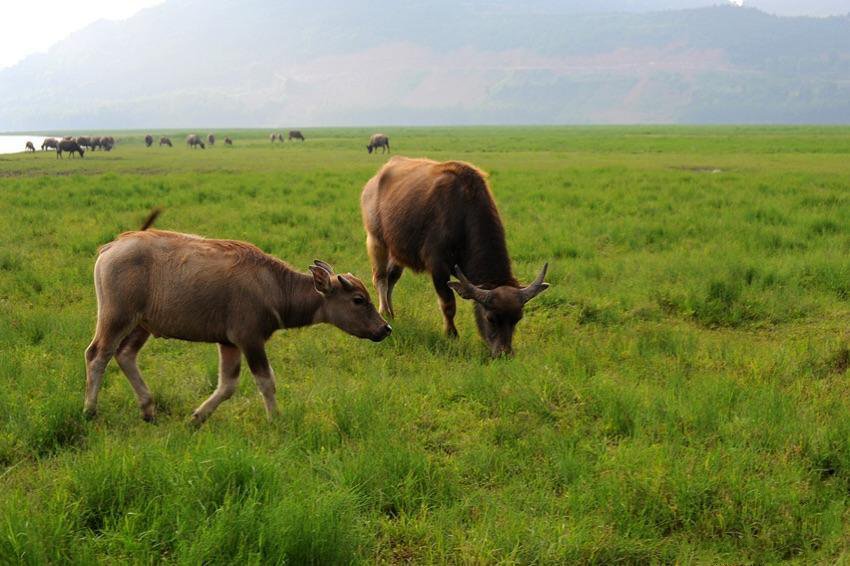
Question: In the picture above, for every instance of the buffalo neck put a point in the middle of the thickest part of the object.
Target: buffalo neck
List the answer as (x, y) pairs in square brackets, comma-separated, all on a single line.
[(485, 261), (300, 303)]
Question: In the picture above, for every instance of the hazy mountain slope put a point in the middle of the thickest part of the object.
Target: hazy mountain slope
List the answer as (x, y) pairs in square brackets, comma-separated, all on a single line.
[(267, 62)]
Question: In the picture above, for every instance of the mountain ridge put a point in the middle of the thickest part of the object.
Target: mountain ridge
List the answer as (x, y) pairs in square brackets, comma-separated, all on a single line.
[(264, 63)]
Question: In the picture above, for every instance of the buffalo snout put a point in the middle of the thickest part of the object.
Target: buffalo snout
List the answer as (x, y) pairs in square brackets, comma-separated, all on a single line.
[(382, 333)]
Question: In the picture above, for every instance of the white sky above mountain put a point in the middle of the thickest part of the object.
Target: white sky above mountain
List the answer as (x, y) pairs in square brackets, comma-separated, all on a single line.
[(32, 26), (27, 27)]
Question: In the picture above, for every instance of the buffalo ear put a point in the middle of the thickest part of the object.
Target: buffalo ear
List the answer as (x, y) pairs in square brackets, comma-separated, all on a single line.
[(321, 280), (324, 265)]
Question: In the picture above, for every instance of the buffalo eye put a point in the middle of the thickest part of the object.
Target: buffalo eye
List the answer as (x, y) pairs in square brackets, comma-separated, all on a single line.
[(359, 300)]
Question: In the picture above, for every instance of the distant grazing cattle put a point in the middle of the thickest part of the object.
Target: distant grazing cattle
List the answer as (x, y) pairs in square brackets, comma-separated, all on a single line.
[(84, 141), (378, 140), (225, 292), (107, 142), (211, 139), (193, 141), (295, 135), (165, 141), (96, 143), (29, 147), (148, 140), (71, 146), (49, 143), (275, 136), (441, 218), (228, 141)]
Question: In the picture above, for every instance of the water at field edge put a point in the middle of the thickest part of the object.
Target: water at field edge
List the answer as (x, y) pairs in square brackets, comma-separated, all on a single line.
[(16, 143)]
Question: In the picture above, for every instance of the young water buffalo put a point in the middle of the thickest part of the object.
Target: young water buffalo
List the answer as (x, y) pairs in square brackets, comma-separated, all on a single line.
[(441, 218), (194, 141), (70, 146), (295, 135), (223, 291), (49, 143), (378, 140), (29, 147), (148, 140), (165, 141)]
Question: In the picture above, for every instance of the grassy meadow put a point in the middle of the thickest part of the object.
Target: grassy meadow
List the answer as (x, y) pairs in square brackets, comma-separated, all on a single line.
[(680, 394)]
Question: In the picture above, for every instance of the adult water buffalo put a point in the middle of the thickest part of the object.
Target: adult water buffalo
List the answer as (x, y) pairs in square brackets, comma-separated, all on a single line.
[(49, 143), (295, 135), (211, 139), (107, 142), (84, 141), (96, 143), (165, 141), (29, 147), (228, 141), (378, 140), (194, 141), (441, 218), (148, 140), (219, 291), (71, 146)]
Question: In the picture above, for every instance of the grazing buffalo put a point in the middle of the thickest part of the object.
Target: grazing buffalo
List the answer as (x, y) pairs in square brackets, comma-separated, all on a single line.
[(84, 141), (49, 143), (295, 135), (71, 146), (96, 142), (29, 147), (228, 141), (226, 292), (378, 140), (441, 218), (148, 140), (194, 141), (211, 139), (107, 142), (165, 141)]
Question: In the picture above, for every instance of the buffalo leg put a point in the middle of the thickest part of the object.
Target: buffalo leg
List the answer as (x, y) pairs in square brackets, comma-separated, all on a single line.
[(263, 376), (446, 297), (126, 356), (107, 338), (394, 272), (229, 364), (379, 257)]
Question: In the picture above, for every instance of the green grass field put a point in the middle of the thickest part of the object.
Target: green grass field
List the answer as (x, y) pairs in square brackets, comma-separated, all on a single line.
[(680, 393)]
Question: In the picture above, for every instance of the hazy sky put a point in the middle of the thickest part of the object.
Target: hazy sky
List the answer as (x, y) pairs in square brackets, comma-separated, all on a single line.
[(30, 26)]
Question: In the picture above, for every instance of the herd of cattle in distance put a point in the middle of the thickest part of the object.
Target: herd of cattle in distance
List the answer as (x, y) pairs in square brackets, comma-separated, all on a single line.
[(418, 214), (79, 144), (73, 145)]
